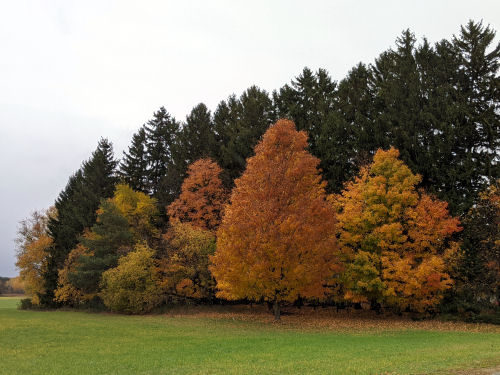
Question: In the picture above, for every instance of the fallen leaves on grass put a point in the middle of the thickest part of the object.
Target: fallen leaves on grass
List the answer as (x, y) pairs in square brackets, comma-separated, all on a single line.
[(325, 319)]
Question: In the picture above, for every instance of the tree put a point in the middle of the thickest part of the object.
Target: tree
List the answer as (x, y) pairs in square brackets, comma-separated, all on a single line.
[(308, 101), (134, 165), (33, 245), (185, 266), (76, 210), (477, 124), (276, 241), (108, 239), (140, 211), (66, 292), (197, 135), (162, 137), (123, 220), (395, 241), (132, 287), (478, 274), (239, 124), (202, 198)]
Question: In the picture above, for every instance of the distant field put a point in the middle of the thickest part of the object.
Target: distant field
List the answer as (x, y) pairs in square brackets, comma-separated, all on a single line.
[(66, 342)]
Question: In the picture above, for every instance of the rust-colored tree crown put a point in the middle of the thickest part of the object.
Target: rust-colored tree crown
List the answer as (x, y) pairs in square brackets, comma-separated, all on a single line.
[(202, 196), (276, 239)]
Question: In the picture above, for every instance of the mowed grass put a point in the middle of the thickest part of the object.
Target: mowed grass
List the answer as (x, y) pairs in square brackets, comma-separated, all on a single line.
[(67, 342)]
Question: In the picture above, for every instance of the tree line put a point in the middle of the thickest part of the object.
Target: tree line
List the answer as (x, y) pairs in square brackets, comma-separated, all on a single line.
[(398, 142)]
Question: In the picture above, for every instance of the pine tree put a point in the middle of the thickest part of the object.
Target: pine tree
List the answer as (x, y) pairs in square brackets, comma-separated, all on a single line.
[(76, 210), (108, 238), (198, 135), (310, 102), (134, 165), (477, 128), (162, 134), (239, 124), (348, 136)]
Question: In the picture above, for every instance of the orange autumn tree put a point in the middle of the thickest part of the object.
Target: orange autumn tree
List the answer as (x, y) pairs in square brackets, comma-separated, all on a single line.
[(202, 196), (394, 239), (276, 241)]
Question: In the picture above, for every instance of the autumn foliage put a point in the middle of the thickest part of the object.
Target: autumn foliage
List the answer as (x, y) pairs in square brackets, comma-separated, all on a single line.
[(276, 241), (202, 197), (133, 286), (66, 292), (139, 209), (395, 240), (33, 244), (185, 268)]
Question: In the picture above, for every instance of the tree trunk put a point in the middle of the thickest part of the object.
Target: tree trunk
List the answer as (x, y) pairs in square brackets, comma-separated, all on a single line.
[(276, 309)]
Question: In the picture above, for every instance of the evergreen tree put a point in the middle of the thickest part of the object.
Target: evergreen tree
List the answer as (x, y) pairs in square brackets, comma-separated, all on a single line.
[(162, 133), (76, 210), (108, 238), (478, 273), (239, 124), (348, 136), (310, 101), (198, 135), (400, 104), (477, 129), (134, 165)]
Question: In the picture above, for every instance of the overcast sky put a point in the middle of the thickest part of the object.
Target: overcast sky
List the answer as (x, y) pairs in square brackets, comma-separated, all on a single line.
[(73, 71)]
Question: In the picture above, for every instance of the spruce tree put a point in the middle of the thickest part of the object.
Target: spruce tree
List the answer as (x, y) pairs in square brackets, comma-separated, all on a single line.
[(108, 238), (477, 131), (76, 209), (162, 133), (239, 124), (198, 135), (134, 165), (309, 101)]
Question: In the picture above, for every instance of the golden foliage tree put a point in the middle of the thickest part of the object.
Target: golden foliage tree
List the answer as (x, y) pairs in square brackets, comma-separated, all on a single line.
[(139, 209), (277, 241), (185, 268), (32, 244), (66, 292), (394, 239), (202, 196), (133, 286)]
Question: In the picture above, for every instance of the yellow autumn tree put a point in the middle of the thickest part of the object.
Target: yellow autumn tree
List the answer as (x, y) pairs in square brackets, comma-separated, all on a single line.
[(395, 240), (139, 209), (185, 266), (33, 244), (133, 286), (277, 241)]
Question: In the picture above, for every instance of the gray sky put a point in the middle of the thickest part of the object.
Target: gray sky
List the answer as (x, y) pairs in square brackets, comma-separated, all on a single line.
[(73, 71)]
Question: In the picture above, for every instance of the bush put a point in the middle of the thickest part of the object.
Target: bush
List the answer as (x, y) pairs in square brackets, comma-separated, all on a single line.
[(25, 304)]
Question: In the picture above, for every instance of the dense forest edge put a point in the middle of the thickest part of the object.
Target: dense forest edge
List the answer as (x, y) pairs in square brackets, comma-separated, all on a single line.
[(380, 191)]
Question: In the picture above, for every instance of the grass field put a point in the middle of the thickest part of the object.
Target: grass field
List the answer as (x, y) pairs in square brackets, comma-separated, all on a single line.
[(67, 342)]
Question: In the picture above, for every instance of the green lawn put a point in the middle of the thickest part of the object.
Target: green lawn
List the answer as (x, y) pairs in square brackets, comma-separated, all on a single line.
[(65, 342)]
